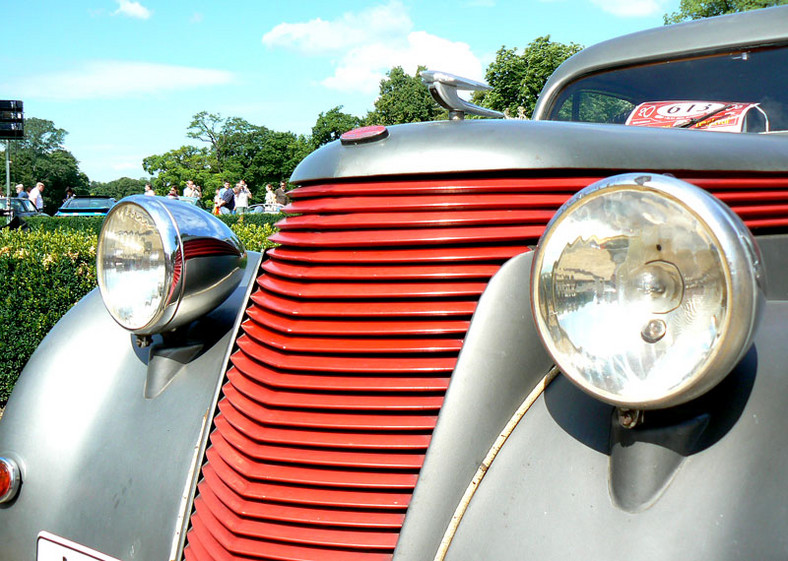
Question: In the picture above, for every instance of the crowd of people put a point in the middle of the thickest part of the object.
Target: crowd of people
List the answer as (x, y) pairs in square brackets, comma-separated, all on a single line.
[(35, 195), (231, 199)]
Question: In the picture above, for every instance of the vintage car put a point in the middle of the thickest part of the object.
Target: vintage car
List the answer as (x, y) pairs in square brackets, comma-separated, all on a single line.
[(590, 311)]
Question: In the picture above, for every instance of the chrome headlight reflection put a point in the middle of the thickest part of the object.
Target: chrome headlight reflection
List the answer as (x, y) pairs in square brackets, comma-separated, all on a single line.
[(162, 263), (646, 290)]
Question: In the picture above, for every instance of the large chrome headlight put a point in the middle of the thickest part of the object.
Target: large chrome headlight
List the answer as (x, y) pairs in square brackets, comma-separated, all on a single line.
[(162, 263), (646, 290)]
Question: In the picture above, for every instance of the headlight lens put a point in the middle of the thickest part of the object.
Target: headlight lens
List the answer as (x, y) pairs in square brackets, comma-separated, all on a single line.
[(135, 267), (646, 290)]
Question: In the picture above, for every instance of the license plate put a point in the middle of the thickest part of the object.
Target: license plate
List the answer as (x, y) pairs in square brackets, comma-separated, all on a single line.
[(50, 547)]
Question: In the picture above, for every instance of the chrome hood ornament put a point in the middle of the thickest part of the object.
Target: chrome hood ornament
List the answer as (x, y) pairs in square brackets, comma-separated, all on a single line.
[(443, 88)]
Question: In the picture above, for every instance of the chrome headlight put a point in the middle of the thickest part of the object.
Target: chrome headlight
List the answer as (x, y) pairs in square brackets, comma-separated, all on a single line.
[(163, 263), (646, 290)]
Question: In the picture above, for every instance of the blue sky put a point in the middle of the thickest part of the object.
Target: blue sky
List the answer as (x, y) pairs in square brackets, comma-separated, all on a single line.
[(125, 77)]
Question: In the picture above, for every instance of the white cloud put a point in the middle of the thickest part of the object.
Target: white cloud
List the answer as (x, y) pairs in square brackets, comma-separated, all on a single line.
[(631, 8), (317, 36), (367, 44), (131, 9), (116, 79)]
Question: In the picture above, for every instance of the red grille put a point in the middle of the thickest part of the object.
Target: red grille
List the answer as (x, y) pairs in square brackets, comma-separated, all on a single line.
[(350, 339)]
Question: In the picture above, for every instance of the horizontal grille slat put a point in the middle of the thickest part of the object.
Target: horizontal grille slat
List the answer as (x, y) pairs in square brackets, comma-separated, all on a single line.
[(320, 536), (393, 203), (370, 290), (310, 496), (216, 537), (313, 273), (316, 456), (427, 236), (350, 339), (391, 402), (350, 363), (313, 516), (246, 395), (338, 383), (349, 309), (310, 476), (411, 219), (361, 327), (416, 186), (450, 254)]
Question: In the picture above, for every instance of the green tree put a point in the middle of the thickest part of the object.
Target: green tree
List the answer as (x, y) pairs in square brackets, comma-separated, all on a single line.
[(403, 99), (697, 9), (518, 78), (119, 188), (176, 167), (331, 124), (40, 156), (236, 150)]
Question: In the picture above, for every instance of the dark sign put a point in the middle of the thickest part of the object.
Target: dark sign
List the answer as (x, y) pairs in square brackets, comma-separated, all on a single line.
[(12, 119)]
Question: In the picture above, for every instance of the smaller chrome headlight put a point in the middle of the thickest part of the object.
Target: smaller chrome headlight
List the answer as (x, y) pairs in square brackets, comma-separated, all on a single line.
[(646, 290), (162, 263)]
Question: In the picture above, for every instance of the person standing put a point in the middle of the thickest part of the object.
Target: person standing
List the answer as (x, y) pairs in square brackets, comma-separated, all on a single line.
[(281, 194), (227, 204), (190, 190), (242, 198), (149, 190), (37, 196), (21, 192), (270, 198)]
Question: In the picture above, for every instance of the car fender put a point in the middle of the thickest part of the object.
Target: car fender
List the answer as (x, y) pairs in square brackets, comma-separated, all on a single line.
[(109, 436), (525, 465)]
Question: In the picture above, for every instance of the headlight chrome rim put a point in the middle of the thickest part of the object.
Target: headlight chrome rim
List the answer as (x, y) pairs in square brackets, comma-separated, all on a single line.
[(743, 290), (168, 234)]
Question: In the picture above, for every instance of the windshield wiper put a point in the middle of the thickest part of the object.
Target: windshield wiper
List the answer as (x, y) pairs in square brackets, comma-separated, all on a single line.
[(696, 120)]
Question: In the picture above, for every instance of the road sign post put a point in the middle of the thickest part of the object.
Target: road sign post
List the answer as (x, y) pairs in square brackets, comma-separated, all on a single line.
[(12, 127)]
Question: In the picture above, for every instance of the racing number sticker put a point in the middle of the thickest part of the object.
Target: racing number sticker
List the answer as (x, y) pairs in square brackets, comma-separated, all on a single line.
[(710, 115)]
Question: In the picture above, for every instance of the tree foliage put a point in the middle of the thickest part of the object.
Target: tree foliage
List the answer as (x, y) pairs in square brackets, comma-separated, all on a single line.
[(119, 188), (697, 9), (236, 150), (403, 99), (331, 124), (40, 156), (518, 78)]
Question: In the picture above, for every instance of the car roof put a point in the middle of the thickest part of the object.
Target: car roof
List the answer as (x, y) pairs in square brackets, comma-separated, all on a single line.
[(763, 28)]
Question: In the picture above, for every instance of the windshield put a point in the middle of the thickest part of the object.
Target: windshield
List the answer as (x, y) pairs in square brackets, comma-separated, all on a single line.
[(744, 77), (88, 203)]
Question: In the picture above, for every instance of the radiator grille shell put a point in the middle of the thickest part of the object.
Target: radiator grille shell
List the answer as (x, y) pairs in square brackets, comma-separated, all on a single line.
[(349, 342)]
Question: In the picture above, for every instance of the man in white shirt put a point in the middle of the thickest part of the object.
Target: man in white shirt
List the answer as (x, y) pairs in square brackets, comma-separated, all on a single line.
[(37, 197)]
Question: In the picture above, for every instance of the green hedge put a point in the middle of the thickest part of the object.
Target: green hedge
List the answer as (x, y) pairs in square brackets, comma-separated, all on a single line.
[(42, 274), (88, 224), (47, 268)]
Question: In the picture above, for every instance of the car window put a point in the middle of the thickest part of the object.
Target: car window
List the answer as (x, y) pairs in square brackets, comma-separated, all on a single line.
[(88, 203), (742, 77), (23, 205)]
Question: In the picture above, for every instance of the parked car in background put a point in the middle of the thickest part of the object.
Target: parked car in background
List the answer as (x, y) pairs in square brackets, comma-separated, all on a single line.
[(196, 201), (18, 207), (86, 206), (475, 339), (262, 208)]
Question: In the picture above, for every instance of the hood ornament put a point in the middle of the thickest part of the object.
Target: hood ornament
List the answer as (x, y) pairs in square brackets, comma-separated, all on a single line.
[(443, 88)]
